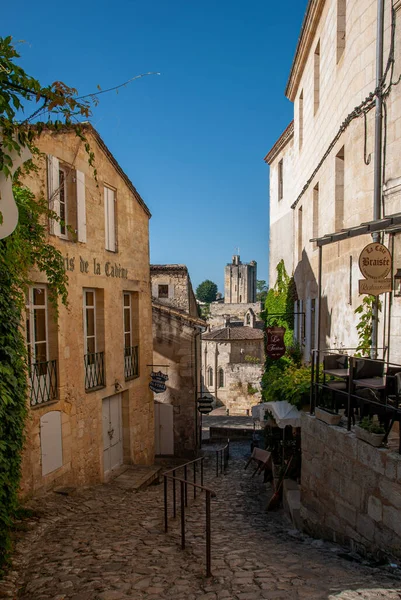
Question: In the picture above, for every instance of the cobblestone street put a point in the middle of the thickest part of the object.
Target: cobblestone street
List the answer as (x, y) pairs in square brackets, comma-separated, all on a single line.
[(104, 543)]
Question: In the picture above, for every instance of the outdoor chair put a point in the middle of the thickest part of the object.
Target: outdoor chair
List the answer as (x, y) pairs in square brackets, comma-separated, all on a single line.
[(393, 389), (364, 368), (262, 458), (333, 362)]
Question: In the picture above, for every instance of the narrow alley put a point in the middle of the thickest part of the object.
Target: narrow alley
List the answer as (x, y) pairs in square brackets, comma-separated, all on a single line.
[(104, 543)]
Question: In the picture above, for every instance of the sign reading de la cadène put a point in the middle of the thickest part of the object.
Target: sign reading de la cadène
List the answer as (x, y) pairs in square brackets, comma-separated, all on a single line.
[(94, 267), (275, 347), (375, 264)]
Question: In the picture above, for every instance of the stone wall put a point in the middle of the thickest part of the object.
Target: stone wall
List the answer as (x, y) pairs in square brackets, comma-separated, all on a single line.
[(219, 309), (180, 293), (81, 411), (350, 491), (177, 345)]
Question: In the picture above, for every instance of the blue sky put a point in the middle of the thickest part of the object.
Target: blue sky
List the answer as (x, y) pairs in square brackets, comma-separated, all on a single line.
[(193, 139)]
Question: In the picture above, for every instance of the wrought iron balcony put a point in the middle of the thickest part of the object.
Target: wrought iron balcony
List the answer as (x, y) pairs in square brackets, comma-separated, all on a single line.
[(94, 370), (43, 378), (131, 367)]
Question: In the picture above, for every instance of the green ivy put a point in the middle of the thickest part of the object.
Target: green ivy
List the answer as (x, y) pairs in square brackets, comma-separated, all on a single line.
[(280, 301), (26, 248), (291, 384), (365, 324)]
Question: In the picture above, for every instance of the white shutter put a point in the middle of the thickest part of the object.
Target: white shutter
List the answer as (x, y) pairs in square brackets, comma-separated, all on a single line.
[(81, 206), (109, 219), (53, 191), (51, 441)]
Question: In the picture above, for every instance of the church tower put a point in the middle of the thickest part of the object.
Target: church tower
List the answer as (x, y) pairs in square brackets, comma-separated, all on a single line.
[(240, 282)]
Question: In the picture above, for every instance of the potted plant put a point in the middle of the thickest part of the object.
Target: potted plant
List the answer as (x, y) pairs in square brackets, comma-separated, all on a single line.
[(327, 416), (370, 431)]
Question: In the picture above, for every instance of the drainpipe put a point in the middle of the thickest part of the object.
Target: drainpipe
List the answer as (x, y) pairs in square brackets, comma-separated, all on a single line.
[(377, 170)]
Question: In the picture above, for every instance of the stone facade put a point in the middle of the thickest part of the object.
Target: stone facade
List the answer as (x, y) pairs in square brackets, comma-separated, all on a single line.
[(350, 491), (171, 286), (240, 282), (332, 72), (218, 310), (68, 440), (177, 347), (233, 365)]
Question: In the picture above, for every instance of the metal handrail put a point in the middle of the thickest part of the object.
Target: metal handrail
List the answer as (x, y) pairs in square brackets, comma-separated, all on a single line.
[(224, 454), (184, 502)]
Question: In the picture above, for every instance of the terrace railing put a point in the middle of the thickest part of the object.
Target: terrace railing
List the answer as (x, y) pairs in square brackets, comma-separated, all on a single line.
[(43, 382), (131, 364), (94, 370)]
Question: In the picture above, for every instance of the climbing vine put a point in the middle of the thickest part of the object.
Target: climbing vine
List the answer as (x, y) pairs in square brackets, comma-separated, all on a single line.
[(365, 324), (25, 249), (280, 303)]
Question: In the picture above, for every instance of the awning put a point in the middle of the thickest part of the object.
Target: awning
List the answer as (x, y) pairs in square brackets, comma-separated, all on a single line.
[(390, 224)]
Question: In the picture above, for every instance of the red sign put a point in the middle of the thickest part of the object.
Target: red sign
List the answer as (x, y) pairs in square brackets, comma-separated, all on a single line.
[(275, 347)]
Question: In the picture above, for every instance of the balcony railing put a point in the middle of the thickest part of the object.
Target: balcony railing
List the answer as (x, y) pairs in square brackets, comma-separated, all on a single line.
[(94, 370), (131, 367), (43, 378)]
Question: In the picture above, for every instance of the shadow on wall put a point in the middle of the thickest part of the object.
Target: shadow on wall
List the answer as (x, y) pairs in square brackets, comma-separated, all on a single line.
[(307, 287)]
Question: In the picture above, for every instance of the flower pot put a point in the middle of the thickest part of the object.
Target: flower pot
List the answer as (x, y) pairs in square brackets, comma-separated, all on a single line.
[(374, 439), (327, 417)]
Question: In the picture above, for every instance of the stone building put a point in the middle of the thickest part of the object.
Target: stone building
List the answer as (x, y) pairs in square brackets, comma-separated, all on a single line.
[(91, 409), (315, 191), (176, 352), (233, 363), (240, 282), (239, 293)]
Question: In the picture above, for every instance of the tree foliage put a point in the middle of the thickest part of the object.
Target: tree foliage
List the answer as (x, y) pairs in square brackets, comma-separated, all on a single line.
[(261, 290), (25, 249), (206, 291)]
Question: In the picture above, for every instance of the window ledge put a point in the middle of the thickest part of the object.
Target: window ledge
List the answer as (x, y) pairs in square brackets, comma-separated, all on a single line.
[(132, 377), (95, 389), (42, 404)]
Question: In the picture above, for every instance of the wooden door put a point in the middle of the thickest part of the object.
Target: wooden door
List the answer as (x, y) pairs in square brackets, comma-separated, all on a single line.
[(112, 433)]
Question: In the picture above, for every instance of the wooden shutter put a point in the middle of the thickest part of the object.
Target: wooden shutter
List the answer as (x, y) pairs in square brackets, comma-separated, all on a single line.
[(109, 219), (53, 191), (81, 206)]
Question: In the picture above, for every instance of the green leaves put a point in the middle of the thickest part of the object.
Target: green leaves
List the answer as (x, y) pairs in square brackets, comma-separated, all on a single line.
[(365, 324)]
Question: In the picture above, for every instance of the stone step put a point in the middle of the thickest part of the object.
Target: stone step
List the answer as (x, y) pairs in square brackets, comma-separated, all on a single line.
[(137, 477), (292, 501)]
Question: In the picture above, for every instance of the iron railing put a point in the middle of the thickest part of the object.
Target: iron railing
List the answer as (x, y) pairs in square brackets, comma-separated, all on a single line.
[(43, 381), (94, 370), (383, 400), (184, 482), (131, 364), (222, 456)]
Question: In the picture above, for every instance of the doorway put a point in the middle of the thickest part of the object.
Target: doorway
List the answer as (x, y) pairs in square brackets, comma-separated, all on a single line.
[(112, 433)]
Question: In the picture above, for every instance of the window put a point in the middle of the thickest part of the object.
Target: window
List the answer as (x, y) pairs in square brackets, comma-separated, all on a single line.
[(66, 195), (301, 118), (341, 29), (315, 232), (280, 180), (339, 191), (110, 220), (317, 77), (210, 376), (300, 233), (63, 200), (42, 372), (131, 336), (90, 321), (36, 325), (221, 378), (93, 338), (163, 291)]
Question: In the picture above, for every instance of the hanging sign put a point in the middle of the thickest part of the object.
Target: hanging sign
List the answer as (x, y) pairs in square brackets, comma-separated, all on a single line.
[(205, 405), (374, 287), (158, 382), (275, 347), (375, 264), (375, 261)]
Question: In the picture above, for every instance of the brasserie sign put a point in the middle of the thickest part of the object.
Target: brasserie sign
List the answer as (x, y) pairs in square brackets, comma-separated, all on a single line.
[(158, 382), (375, 265)]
